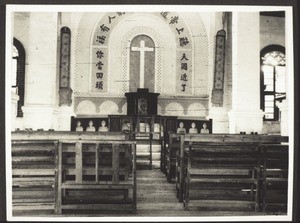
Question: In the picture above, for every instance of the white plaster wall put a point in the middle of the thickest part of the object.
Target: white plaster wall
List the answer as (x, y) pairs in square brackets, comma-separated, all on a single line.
[(21, 28), (198, 24), (272, 31), (41, 60), (164, 34), (245, 114), (38, 33), (197, 28), (81, 51)]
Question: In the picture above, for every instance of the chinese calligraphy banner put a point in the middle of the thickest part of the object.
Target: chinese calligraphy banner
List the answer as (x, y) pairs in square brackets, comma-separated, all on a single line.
[(99, 79), (184, 72)]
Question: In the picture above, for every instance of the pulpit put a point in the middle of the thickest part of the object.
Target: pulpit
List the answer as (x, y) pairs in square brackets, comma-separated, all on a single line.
[(141, 102)]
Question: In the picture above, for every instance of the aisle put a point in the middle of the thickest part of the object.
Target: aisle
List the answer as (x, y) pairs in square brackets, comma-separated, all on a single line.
[(155, 196)]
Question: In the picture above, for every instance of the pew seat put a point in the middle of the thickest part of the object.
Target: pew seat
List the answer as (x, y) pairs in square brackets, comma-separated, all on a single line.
[(274, 177), (228, 172), (33, 176), (96, 175)]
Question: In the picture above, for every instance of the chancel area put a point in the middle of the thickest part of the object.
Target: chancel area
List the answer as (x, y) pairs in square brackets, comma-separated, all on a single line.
[(164, 113)]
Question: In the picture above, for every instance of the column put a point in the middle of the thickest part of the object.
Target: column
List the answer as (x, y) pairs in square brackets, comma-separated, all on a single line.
[(284, 117), (219, 115), (41, 70), (286, 113), (245, 115)]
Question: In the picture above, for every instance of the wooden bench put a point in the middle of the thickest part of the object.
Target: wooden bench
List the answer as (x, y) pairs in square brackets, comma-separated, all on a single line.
[(35, 168), (224, 174), (170, 156), (222, 139), (274, 177), (33, 176), (96, 175)]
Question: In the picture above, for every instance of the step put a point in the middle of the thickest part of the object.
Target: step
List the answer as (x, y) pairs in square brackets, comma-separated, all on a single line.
[(155, 156), (146, 148)]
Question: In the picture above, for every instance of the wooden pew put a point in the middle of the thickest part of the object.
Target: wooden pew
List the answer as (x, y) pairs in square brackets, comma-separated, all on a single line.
[(182, 161), (96, 175), (35, 167), (33, 176), (274, 177), (222, 175), (170, 156)]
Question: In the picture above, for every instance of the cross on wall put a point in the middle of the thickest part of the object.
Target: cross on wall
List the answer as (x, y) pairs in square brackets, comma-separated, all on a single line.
[(142, 49)]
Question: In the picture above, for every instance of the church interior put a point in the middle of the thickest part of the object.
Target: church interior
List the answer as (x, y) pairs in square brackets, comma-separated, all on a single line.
[(150, 113)]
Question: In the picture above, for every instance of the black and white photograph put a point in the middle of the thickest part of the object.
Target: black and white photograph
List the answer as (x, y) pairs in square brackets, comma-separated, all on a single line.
[(162, 113)]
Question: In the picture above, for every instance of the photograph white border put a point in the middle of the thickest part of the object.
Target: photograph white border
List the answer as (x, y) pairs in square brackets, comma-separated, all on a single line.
[(10, 9)]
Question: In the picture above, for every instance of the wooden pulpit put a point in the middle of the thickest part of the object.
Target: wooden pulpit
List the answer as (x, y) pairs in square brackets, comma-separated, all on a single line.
[(141, 102)]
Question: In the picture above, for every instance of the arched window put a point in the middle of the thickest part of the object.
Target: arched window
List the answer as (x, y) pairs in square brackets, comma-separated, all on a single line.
[(18, 73), (273, 86)]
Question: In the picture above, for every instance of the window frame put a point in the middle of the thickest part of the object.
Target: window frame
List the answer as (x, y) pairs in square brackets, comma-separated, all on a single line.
[(20, 75), (263, 93)]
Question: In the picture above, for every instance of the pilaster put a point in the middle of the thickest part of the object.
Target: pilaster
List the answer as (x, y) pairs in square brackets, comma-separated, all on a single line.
[(245, 115)]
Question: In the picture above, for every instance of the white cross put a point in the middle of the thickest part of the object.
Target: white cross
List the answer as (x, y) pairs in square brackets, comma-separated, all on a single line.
[(142, 49)]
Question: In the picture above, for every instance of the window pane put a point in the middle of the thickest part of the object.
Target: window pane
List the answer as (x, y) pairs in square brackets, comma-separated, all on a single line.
[(280, 79), (15, 52), (268, 71), (269, 109), (269, 116), (274, 58), (269, 104), (14, 72), (269, 97), (269, 85), (268, 77)]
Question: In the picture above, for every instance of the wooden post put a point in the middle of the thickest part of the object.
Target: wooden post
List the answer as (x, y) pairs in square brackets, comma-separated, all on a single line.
[(58, 201), (134, 176), (150, 145), (78, 167), (181, 166), (127, 162), (170, 148), (264, 179), (115, 163), (138, 124), (97, 163)]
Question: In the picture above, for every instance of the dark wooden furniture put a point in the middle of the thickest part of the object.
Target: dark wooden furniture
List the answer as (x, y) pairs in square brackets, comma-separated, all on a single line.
[(274, 177), (33, 176), (209, 154), (96, 175), (222, 176), (85, 122), (199, 124), (171, 147), (170, 124), (44, 163), (141, 102), (146, 129)]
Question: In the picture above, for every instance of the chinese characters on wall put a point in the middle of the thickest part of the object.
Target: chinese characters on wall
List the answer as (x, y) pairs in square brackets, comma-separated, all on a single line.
[(99, 79), (183, 52), (65, 92), (217, 93), (184, 56)]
